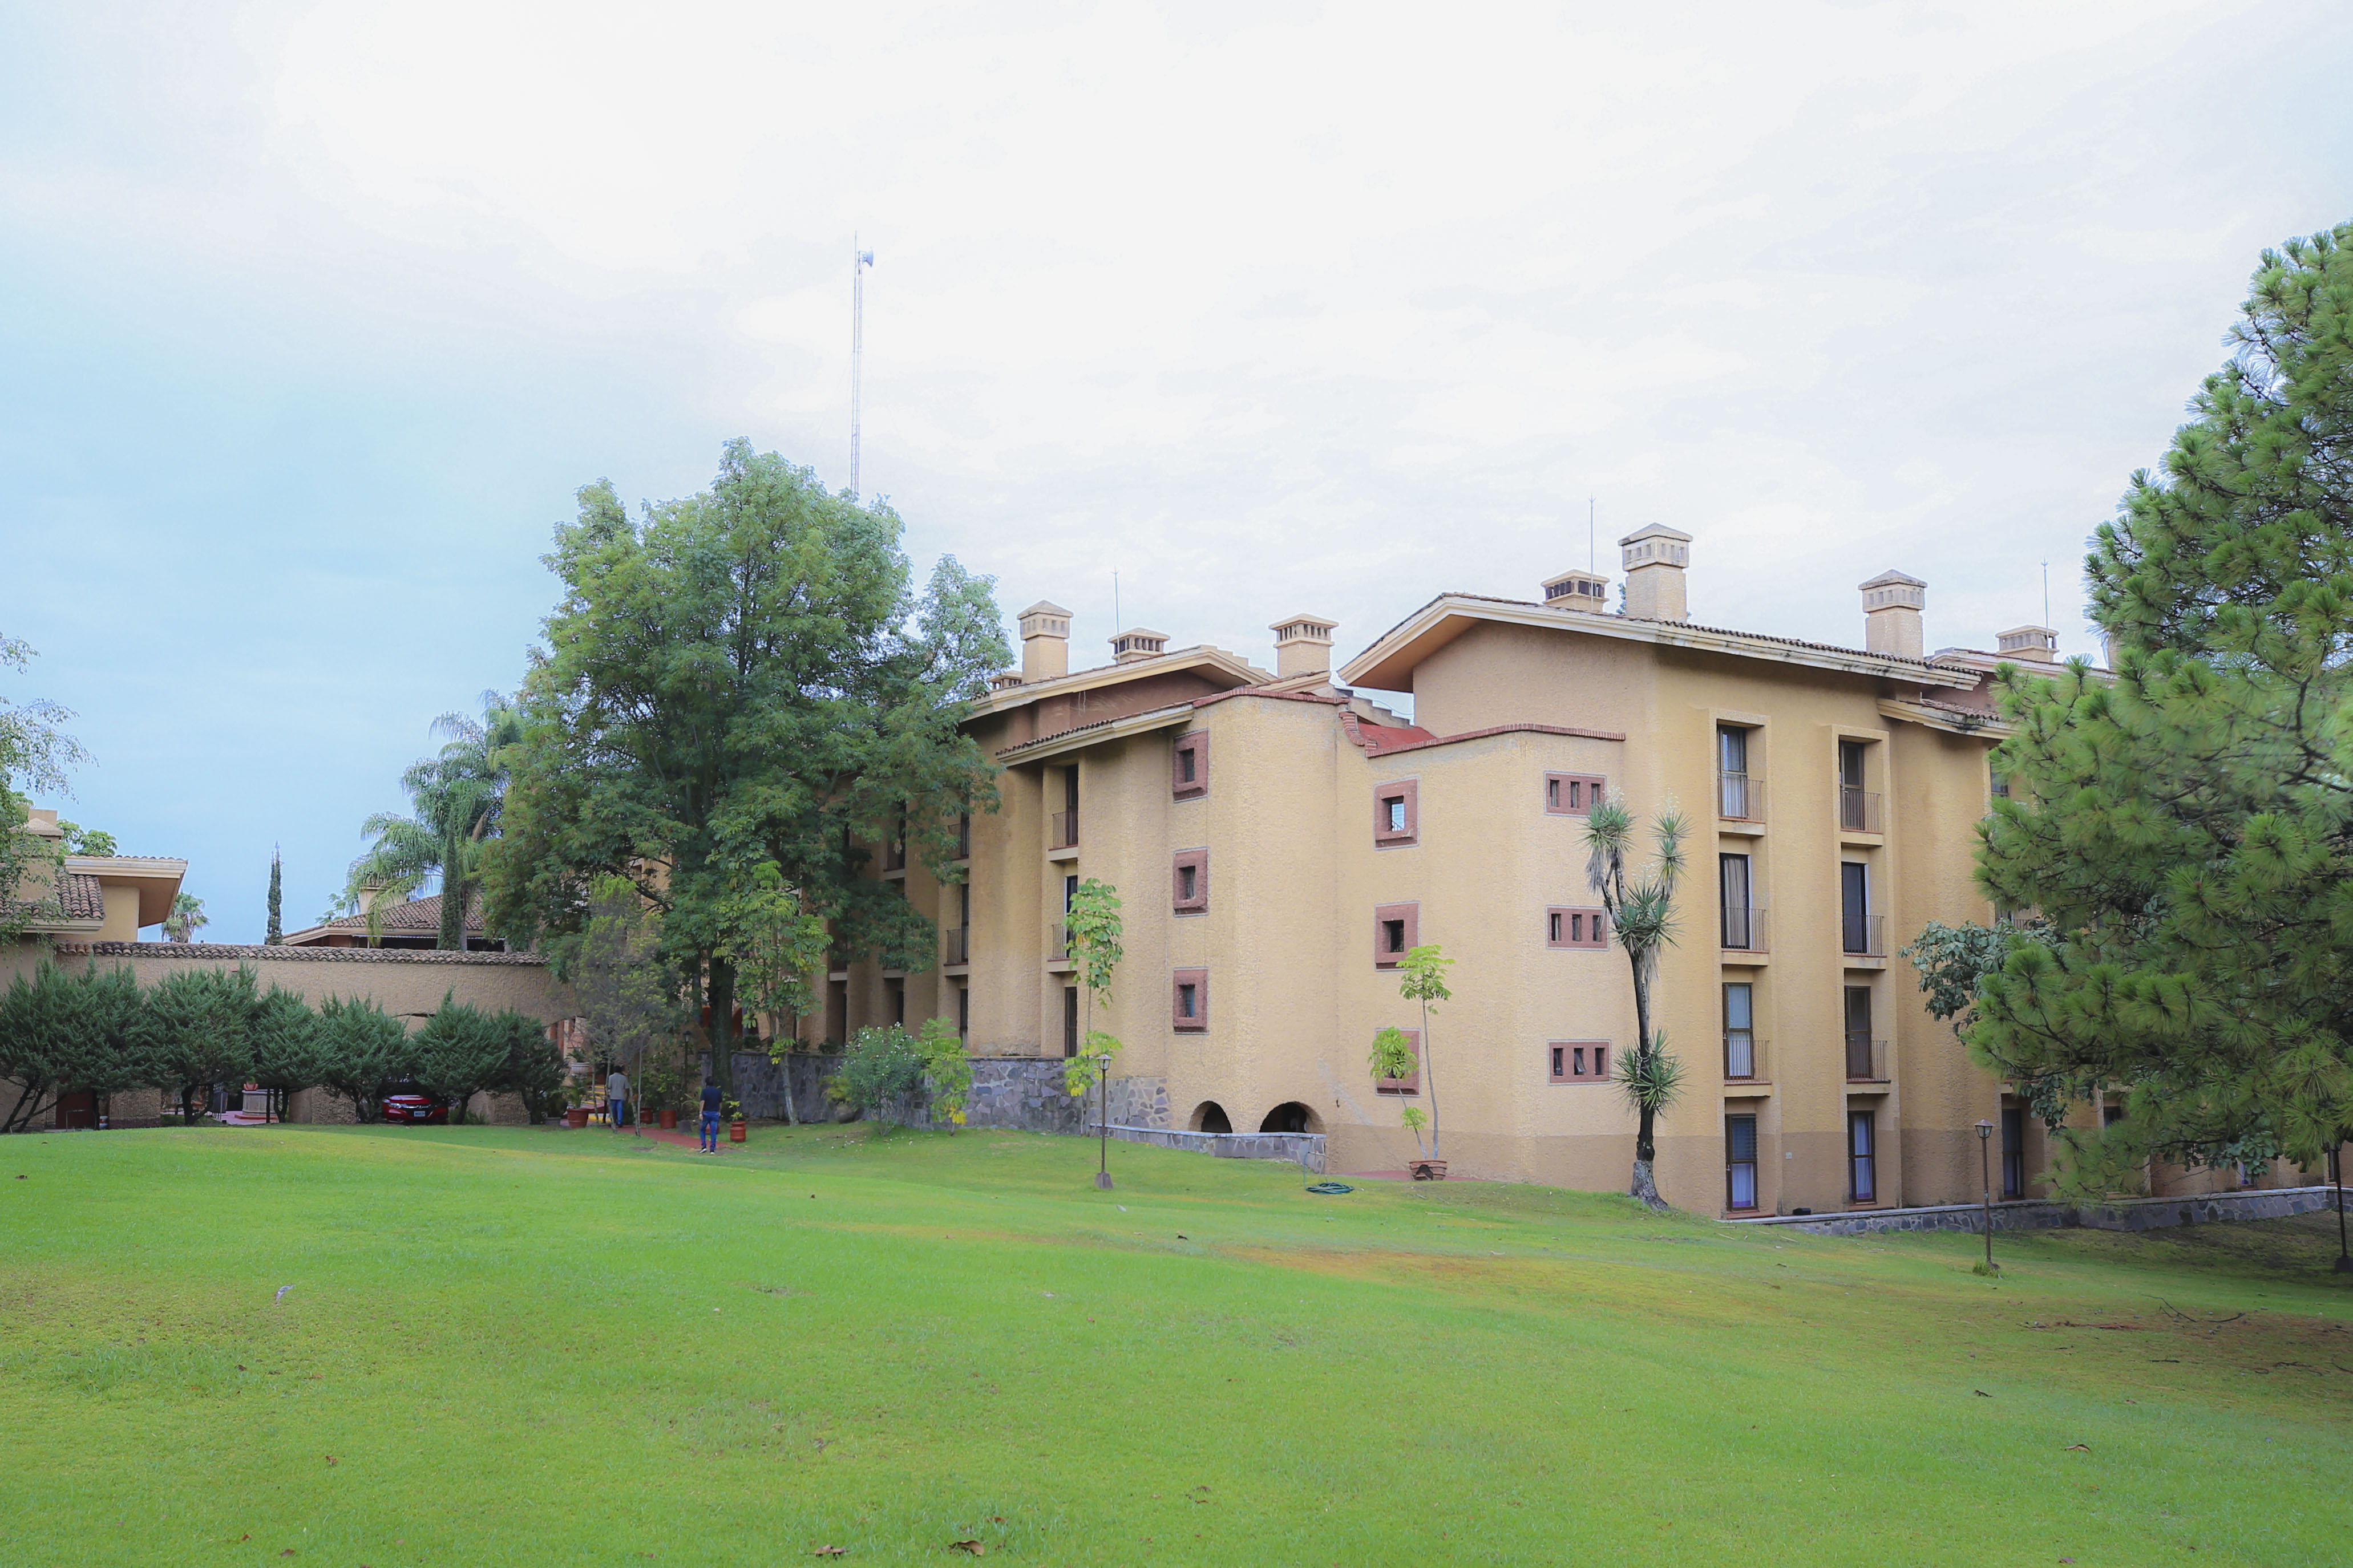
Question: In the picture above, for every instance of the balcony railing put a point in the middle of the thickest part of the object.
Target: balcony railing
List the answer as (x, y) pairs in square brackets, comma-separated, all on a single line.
[(1058, 943), (1866, 1058), (1863, 936), (895, 855), (1858, 810), (1065, 835), (1744, 930), (1744, 1060), (956, 945), (1739, 798)]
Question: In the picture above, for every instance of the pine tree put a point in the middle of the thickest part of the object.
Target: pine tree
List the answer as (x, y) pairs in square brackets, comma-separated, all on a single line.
[(275, 934), (2185, 831)]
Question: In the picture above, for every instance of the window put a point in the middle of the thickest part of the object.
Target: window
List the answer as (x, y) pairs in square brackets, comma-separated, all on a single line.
[(1861, 1151), (1065, 825), (1188, 773), (1740, 1031), (1188, 1001), (1997, 785), (1578, 1061), (1740, 1162), (1411, 1083), (1858, 808), (897, 991), (1190, 894), (1739, 798), (1736, 896), (1396, 814), (963, 835), (1572, 795), (1070, 1020), (964, 1012), (1396, 931), (2014, 1151), (1576, 927), (1854, 907), (1860, 1049)]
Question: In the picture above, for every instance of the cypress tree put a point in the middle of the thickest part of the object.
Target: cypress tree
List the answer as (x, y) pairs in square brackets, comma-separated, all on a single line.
[(2185, 830), (274, 935)]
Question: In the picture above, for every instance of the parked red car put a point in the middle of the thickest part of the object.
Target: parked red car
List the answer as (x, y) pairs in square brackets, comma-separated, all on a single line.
[(409, 1106)]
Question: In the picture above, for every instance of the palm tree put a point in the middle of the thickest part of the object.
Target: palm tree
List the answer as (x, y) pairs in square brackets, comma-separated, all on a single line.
[(187, 919), (1641, 913), (456, 797)]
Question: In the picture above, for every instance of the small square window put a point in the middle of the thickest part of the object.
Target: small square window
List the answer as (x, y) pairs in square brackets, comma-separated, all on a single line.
[(1578, 1061), (1393, 936), (1396, 814), (1188, 769), (1576, 927), (1185, 876), (1189, 883), (1396, 931), (1394, 809), (1410, 1084), (1188, 999)]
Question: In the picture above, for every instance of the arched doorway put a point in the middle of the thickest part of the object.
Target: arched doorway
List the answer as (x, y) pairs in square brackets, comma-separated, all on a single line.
[(1291, 1117), (1211, 1117)]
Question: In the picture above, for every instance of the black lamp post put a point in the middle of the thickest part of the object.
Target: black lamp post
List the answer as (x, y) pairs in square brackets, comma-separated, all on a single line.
[(2344, 1264), (1103, 1123), (1985, 1175)]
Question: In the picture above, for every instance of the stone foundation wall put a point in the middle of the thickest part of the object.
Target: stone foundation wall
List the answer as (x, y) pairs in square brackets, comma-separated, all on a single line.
[(2119, 1213), (1304, 1148)]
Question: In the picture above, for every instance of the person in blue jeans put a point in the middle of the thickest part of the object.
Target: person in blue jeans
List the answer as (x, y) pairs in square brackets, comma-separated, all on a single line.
[(712, 1100)]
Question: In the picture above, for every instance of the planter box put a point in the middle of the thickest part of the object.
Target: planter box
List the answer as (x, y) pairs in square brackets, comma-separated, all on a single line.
[(1428, 1170), (670, 1120), (577, 1116), (735, 1131)]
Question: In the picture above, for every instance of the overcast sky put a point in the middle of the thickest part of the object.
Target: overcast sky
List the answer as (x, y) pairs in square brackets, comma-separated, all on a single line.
[(312, 317)]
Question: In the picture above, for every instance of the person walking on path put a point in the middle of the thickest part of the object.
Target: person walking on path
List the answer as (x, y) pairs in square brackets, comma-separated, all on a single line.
[(616, 1095), (711, 1101)]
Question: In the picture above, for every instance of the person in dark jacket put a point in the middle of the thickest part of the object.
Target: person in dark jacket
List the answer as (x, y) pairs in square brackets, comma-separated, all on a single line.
[(712, 1101)]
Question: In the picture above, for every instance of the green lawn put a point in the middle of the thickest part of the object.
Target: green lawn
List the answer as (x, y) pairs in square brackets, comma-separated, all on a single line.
[(544, 1346)]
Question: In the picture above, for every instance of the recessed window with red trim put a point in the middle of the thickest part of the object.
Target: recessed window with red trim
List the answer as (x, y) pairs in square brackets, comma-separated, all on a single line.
[(1411, 1083), (1189, 883), (1396, 931), (1188, 767), (1188, 999), (1566, 927), (1397, 815), (1578, 1061), (1573, 794)]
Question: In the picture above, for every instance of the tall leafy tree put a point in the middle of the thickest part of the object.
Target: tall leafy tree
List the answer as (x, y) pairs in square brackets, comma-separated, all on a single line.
[(35, 754), (276, 932), (62, 1030), (199, 1024), (2186, 830), (282, 1046), (456, 799), (460, 1050), (1640, 905), (361, 1049), (740, 691)]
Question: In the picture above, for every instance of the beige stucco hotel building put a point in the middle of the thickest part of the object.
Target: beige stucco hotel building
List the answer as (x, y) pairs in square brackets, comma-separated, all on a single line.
[(1279, 838)]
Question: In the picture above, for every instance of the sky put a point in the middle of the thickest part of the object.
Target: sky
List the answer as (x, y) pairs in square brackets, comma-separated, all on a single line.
[(314, 316)]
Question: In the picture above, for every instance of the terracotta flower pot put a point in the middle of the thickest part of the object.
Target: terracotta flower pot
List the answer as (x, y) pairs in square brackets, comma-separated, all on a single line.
[(576, 1116), (1428, 1170), (670, 1119), (735, 1131)]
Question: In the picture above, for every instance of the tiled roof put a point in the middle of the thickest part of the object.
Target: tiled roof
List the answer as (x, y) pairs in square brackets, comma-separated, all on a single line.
[(290, 954), (82, 896), (416, 917)]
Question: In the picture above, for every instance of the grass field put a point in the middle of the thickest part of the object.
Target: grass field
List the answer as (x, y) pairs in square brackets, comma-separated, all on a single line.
[(522, 1346)]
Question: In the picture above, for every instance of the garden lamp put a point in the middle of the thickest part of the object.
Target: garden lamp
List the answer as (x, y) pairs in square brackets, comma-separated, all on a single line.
[(1985, 1175), (1103, 1123), (2344, 1264)]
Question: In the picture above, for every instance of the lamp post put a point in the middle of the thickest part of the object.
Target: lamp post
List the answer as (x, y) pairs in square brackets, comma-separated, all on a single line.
[(2344, 1264), (1985, 1175), (1102, 1123)]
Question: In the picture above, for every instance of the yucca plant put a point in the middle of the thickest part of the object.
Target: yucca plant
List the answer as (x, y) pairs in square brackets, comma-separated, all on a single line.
[(1641, 909)]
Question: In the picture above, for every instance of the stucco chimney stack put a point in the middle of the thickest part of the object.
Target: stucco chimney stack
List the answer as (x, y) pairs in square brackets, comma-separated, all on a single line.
[(2037, 645), (1577, 590), (1654, 558), (1892, 602), (1045, 641), (1138, 643), (1302, 645)]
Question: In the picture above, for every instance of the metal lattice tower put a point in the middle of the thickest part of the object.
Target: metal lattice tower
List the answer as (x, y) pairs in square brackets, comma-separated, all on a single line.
[(859, 260)]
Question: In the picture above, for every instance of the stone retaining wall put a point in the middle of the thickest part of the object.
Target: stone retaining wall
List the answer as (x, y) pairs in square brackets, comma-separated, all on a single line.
[(2116, 1213), (1305, 1148)]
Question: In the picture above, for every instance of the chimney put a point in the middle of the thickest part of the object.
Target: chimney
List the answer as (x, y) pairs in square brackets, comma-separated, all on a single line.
[(1303, 646), (1892, 604), (1136, 643), (1575, 590), (2039, 645), (1654, 558), (1045, 641)]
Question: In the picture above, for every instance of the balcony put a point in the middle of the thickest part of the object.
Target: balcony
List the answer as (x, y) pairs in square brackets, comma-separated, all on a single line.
[(1058, 947), (1863, 936), (1744, 1059), (895, 855), (963, 838), (1063, 831), (1746, 929), (955, 945), (1739, 798), (1866, 1058), (1858, 810)]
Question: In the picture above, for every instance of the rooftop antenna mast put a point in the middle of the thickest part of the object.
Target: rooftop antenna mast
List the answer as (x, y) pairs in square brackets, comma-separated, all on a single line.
[(1589, 557), (859, 260), (2046, 592)]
